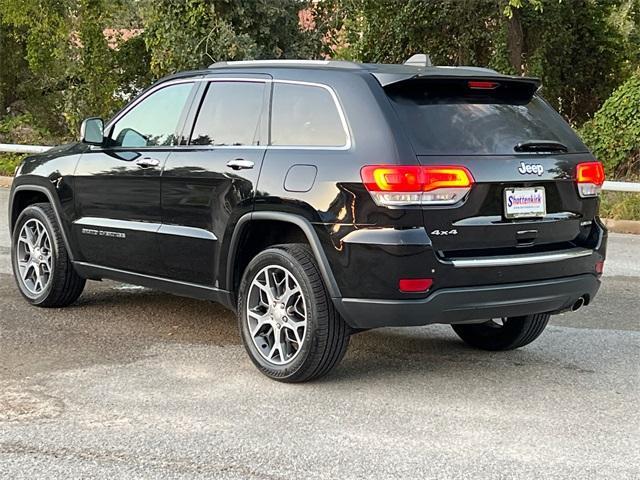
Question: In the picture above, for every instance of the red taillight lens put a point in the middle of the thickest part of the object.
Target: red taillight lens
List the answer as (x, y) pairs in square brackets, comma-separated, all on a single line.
[(416, 185), (590, 177), (381, 178), (415, 285)]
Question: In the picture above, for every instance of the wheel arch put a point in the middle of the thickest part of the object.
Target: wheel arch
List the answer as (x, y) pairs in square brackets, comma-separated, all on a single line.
[(24, 195), (297, 225)]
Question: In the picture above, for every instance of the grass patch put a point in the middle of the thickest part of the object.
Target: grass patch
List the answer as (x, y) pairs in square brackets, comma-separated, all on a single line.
[(620, 205), (9, 162)]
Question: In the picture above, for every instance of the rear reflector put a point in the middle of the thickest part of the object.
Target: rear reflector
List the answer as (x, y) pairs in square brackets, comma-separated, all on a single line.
[(413, 285), (589, 177), (600, 267), (403, 185)]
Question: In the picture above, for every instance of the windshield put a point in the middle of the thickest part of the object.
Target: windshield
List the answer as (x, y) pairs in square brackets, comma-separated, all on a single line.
[(450, 121)]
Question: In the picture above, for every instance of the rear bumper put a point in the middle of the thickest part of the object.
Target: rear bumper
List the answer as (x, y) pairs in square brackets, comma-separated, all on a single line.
[(464, 304)]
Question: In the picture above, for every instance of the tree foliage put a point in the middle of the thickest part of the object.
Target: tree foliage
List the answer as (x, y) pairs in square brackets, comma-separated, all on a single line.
[(614, 132), (59, 65), (578, 48), (195, 33)]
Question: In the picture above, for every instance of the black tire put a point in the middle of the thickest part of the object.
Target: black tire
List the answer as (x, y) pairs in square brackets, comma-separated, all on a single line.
[(326, 337), (64, 285), (515, 332)]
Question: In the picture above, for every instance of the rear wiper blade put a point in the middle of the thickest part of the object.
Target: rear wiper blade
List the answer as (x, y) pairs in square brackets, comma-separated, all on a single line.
[(541, 146)]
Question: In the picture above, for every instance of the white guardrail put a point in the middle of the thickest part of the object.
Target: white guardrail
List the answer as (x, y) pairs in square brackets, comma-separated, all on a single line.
[(12, 148)]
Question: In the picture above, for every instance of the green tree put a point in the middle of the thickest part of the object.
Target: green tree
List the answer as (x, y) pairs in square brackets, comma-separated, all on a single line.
[(577, 48), (614, 133), (195, 33)]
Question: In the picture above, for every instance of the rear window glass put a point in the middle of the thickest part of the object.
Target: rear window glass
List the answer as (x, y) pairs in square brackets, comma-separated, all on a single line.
[(448, 120)]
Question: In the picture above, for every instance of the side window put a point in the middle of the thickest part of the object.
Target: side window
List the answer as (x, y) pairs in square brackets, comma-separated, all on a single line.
[(230, 114), (304, 115), (153, 121)]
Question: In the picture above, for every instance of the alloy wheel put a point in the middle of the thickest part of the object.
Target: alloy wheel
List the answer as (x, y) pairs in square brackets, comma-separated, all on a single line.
[(276, 314), (34, 256)]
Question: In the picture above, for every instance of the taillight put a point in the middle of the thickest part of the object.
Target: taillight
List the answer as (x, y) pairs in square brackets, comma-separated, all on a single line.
[(482, 85), (589, 177), (404, 185)]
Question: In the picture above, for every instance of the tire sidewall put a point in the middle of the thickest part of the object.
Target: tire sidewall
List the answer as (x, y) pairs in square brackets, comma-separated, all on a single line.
[(35, 212), (279, 257)]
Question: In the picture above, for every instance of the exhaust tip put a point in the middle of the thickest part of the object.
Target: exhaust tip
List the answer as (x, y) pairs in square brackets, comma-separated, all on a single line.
[(579, 303)]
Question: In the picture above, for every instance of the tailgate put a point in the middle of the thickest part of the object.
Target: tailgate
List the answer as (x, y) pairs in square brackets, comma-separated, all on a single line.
[(522, 156)]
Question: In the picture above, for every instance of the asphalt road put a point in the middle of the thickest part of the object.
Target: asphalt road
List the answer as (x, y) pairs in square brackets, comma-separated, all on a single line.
[(137, 384)]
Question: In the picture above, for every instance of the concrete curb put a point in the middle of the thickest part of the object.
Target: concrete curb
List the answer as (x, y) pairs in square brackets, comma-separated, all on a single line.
[(616, 226), (622, 226), (5, 182)]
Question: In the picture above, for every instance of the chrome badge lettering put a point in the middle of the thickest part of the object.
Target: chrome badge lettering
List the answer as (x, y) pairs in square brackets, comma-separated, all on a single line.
[(530, 168), (102, 233), (441, 233)]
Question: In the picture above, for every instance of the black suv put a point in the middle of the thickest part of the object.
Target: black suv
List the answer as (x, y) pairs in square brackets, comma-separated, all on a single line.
[(322, 198)]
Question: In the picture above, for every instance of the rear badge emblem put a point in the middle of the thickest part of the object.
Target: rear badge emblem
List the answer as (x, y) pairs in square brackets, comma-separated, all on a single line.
[(441, 233), (530, 168)]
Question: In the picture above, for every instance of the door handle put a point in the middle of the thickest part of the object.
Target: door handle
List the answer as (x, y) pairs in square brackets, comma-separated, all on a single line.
[(240, 164), (147, 162)]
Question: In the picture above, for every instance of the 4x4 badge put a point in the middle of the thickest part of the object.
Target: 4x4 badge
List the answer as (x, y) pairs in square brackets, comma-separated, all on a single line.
[(529, 168)]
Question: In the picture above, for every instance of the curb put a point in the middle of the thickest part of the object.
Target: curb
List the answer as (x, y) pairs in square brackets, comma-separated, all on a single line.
[(622, 226), (615, 226), (5, 182)]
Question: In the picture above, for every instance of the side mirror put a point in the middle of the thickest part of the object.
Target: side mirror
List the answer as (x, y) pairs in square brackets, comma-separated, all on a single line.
[(91, 131)]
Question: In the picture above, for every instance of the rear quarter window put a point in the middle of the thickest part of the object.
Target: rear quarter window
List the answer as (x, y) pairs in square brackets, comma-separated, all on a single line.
[(446, 121), (305, 115)]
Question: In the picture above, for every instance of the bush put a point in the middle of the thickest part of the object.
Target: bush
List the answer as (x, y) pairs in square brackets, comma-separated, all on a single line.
[(620, 205), (614, 132), (9, 162), (19, 129)]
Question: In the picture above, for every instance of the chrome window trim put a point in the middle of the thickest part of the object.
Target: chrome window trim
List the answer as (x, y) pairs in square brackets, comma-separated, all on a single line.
[(178, 81), (141, 98), (343, 119)]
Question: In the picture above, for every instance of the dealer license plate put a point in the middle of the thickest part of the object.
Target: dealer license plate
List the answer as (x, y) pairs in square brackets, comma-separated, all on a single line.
[(524, 202)]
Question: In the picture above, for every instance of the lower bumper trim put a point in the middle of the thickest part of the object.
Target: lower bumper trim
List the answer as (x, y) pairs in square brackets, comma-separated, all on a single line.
[(457, 305)]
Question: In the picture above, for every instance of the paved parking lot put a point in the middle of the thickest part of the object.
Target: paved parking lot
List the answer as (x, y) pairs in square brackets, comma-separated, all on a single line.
[(137, 384)]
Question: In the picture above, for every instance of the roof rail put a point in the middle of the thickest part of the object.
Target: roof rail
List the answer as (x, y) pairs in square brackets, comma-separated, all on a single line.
[(419, 60), (257, 63)]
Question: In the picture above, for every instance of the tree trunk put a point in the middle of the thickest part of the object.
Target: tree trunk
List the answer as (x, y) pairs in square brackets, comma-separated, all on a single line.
[(515, 39)]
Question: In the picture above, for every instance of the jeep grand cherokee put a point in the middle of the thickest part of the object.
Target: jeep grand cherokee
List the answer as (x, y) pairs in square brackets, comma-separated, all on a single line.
[(317, 199)]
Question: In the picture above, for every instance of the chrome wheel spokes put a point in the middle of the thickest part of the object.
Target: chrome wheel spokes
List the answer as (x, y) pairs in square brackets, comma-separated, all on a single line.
[(34, 256), (276, 314)]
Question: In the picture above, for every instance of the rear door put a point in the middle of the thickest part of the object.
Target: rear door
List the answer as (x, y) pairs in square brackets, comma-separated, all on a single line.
[(522, 156), (209, 182), (117, 185)]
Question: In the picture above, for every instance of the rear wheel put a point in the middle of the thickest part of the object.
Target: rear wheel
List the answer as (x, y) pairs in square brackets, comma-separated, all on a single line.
[(504, 333), (41, 266), (287, 321)]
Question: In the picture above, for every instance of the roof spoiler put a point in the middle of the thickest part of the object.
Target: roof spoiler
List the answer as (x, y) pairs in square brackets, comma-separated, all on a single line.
[(513, 89)]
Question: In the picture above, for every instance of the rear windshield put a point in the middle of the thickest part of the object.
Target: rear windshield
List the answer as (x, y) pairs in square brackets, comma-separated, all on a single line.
[(451, 120)]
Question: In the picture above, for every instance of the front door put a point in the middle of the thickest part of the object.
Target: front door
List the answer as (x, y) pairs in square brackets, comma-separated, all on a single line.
[(210, 182), (117, 185)]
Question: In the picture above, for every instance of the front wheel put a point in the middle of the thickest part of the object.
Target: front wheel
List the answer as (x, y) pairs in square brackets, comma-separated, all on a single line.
[(288, 323), (504, 333), (41, 266)]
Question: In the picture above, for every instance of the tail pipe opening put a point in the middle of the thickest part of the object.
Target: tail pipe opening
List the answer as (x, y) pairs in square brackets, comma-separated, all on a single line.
[(578, 304)]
